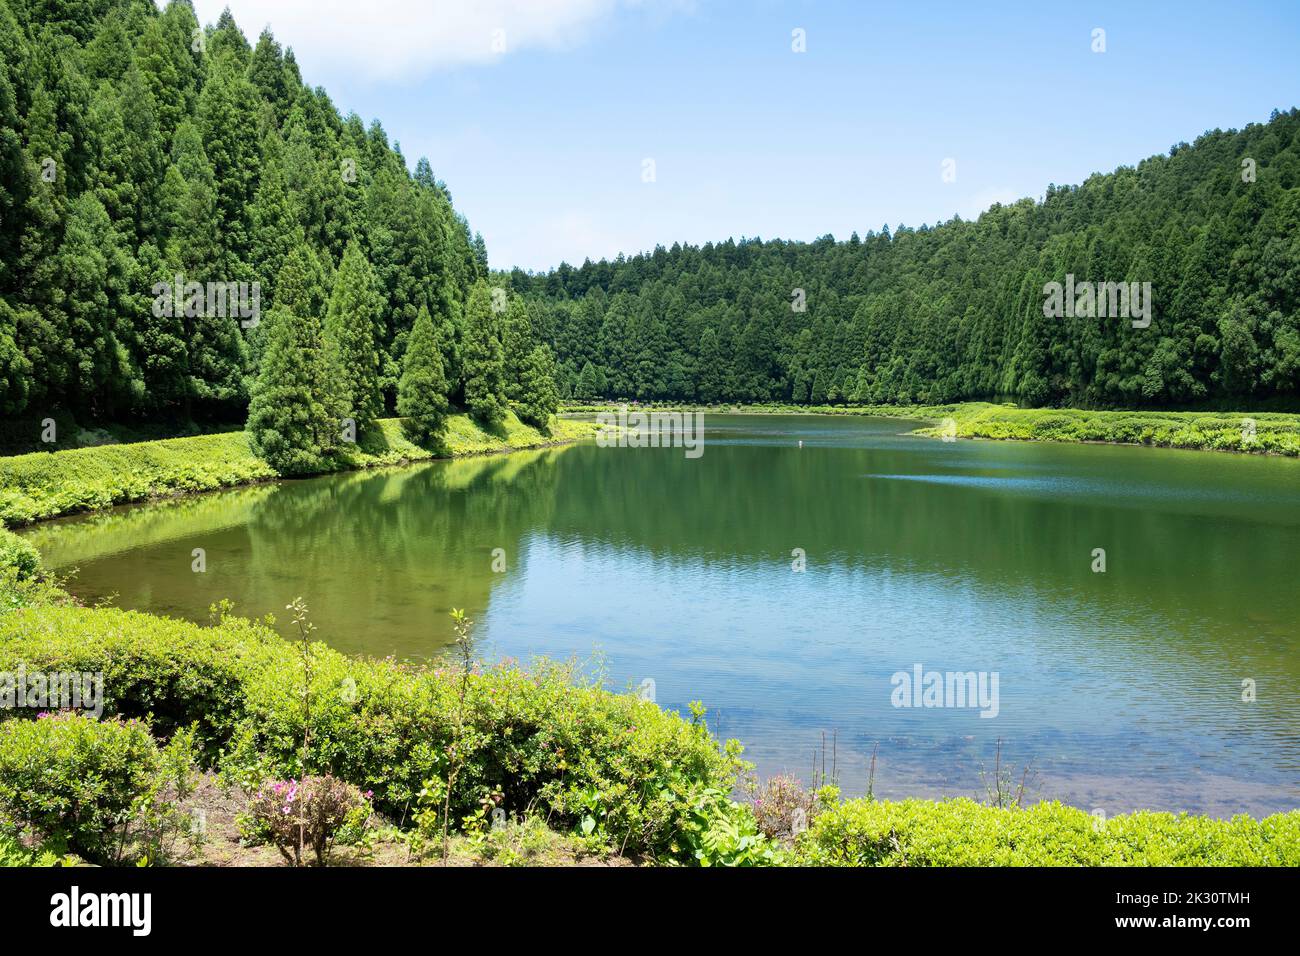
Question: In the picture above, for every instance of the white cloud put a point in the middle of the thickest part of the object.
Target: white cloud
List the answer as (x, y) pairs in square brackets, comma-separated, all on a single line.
[(389, 40)]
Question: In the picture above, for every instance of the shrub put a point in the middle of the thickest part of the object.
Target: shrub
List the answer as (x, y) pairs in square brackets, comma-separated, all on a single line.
[(174, 673), (76, 780), (965, 833), (783, 807), (297, 815), (717, 831), (621, 767), (611, 764), (18, 556), (13, 853)]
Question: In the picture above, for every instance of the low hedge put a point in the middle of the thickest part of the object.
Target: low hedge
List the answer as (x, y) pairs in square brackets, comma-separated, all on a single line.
[(175, 673), (618, 767), (965, 833)]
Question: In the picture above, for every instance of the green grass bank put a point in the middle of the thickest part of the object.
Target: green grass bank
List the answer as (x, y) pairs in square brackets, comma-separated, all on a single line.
[(49, 484), (1275, 433)]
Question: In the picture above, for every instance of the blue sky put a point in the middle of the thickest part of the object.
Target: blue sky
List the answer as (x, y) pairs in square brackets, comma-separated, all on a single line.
[(543, 145)]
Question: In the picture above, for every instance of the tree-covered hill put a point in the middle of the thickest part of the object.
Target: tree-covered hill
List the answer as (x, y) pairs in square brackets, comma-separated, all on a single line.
[(137, 146), (956, 311)]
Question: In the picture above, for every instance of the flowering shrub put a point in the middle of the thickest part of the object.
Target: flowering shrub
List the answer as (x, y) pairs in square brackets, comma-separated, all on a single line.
[(783, 807), (296, 815)]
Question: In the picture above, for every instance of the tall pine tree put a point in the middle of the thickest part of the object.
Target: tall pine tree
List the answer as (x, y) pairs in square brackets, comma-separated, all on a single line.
[(355, 311), (422, 390), (483, 358)]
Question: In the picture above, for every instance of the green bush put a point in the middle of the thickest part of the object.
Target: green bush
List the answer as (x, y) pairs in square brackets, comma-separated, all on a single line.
[(613, 765), (618, 766), (965, 833), (174, 673), (18, 556), (717, 831), (76, 780), (13, 853)]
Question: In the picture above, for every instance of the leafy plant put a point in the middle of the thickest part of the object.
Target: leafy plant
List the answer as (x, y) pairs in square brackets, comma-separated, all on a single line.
[(95, 787), (965, 833), (295, 815), (18, 556)]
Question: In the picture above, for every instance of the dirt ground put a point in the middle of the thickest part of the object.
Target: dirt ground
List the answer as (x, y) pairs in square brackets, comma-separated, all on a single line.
[(215, 809)]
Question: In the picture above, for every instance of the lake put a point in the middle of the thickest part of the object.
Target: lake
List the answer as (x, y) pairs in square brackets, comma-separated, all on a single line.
[(1169, 680)]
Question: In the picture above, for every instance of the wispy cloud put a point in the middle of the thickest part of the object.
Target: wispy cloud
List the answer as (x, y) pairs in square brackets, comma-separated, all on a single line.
[(389, 40)]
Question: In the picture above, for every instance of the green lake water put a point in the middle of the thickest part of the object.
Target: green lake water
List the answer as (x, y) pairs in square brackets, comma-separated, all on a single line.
[(1123, 689)]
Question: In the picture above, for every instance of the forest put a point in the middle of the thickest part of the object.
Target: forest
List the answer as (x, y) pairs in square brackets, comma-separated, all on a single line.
[(956, 311), (141, 151)]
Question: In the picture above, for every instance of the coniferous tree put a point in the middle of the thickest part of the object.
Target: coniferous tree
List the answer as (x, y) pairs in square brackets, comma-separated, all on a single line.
[(283, 416), (301, 291), (483, 360), (588, 387), (422, 391), (354, 314), (516, 343), (538, 397)]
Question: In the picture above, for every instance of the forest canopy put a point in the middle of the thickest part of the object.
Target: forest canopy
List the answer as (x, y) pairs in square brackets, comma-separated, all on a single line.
[(141, 152), (956, 311)]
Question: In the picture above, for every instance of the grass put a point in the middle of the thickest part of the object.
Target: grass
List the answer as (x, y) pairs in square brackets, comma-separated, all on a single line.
[(1276, 433), (44, 485)]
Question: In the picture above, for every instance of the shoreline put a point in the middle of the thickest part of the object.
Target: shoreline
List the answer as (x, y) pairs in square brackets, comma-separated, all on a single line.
[(231, 671), (42, 486), (1266, 434)]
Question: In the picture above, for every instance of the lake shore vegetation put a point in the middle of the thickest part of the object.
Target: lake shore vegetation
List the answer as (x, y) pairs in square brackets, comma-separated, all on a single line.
[(522, 763)]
